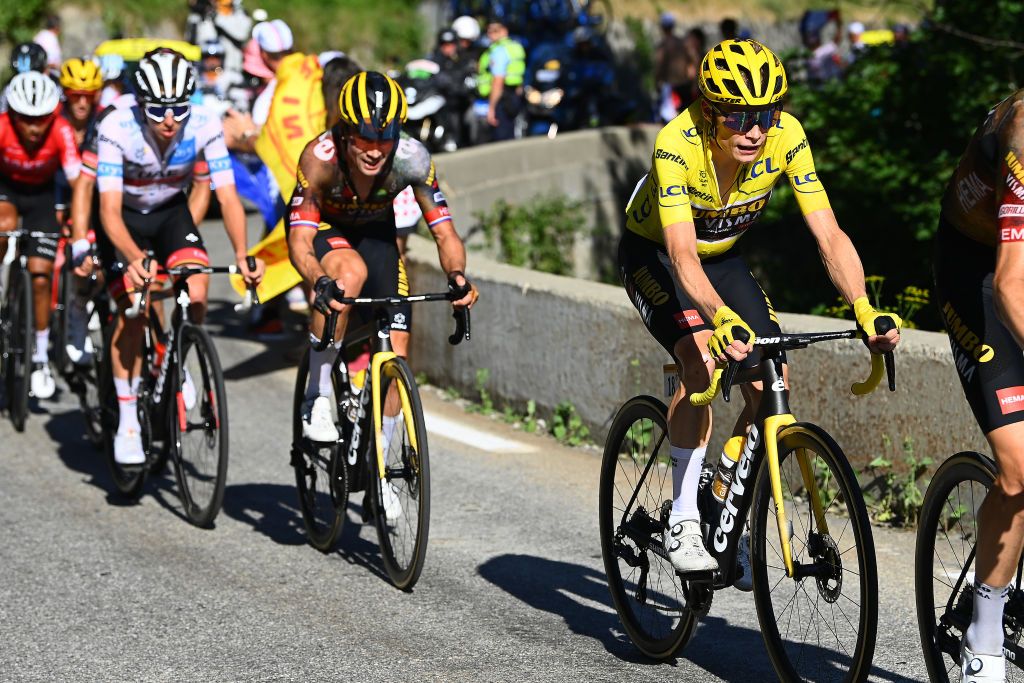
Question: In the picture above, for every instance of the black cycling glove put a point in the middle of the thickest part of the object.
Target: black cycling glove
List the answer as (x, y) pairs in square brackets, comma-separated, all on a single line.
[(326, 290)]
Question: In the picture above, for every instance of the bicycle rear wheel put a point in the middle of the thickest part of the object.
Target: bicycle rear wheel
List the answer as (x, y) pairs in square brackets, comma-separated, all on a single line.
[(821, 625), (402, 514), (198, 426), (657, 609), (944, 564), (321, 477), (128, 480), (20, 342)]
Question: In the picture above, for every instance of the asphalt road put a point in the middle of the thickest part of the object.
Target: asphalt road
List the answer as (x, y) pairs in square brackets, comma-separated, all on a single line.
[(513, 589)]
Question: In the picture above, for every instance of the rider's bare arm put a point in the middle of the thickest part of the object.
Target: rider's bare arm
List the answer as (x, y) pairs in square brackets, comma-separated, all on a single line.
[(115, 228), (838, 254), (312, 176), (681, 244), (81, 206), (199, 200)]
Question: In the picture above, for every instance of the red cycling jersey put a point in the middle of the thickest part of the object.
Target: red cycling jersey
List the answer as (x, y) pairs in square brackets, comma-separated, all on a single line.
[(58, 150)]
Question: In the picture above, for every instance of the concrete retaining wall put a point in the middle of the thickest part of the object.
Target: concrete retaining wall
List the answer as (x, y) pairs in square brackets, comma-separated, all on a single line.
[(598, 167), (551, 338)]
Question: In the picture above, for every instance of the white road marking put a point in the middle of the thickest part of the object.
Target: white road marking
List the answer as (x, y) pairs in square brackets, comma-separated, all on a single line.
[(450, 429)]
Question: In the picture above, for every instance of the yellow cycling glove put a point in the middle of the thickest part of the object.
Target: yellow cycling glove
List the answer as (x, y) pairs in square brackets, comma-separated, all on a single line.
[(867, 316), (728, 327)]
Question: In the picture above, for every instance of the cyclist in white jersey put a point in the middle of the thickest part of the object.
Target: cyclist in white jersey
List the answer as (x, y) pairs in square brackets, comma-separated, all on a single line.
[(146, 158)]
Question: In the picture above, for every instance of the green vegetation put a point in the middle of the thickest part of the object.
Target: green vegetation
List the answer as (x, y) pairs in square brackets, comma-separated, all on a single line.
[(906, 304), (886, 139), (895, 497), (19, 20), (566, 425), (540, 235)]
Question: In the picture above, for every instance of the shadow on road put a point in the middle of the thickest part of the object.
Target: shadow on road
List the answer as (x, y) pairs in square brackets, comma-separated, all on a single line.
[(273, 510), (572, 592)]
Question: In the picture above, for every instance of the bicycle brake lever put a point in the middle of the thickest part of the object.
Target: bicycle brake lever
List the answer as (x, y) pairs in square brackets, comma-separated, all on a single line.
[(727, 379)]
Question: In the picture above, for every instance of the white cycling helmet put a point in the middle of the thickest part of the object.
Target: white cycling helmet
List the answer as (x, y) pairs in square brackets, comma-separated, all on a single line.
[(467, 28), (32, 94), (112, 66), (164, 77)]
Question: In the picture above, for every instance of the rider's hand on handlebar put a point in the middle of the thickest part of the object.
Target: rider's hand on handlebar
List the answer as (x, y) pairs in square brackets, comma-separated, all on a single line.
[(138, 275), (732, 338), (80, 258), (867, 319), (327, 292), (251, 277), (457, 282)]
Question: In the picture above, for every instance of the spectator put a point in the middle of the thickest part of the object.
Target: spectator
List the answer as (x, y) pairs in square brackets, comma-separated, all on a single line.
[(729, 28), (112, 67), (855, 33), (49, 39), (222, 21), (500, 80), (825, 63), (672, 69), (468, 30), (695, 46), (274, 42), (900, 35)]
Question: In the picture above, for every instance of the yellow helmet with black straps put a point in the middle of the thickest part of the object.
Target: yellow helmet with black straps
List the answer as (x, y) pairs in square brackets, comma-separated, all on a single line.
[(81, 75), (743, 73), (373, 105)]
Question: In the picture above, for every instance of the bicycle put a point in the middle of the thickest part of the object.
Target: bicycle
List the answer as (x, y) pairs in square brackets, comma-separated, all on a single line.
[(17, 330), (326, 473), (182, 402), (82, 379), (943, 568), (660, 608)]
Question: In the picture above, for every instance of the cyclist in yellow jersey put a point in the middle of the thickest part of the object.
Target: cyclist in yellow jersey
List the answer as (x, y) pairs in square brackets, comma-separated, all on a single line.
[(712, 173)]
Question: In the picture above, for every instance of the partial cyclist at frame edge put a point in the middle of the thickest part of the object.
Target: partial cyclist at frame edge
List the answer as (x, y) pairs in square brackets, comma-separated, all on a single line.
[(34, 144), (979, 280), (147, 154), (712, 172), (341, 228)]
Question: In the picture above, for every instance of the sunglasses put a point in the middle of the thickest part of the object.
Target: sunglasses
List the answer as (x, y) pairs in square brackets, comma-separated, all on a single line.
[(157, 112), (35, 120), (743, 121), (78, 94)]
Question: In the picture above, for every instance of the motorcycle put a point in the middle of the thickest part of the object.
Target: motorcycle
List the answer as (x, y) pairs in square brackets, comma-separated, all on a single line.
[(544, 92), (428, 120)]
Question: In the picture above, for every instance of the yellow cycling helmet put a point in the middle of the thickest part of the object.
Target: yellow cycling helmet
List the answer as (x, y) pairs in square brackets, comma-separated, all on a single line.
[(742, 72), (373, 105), (82, 75)]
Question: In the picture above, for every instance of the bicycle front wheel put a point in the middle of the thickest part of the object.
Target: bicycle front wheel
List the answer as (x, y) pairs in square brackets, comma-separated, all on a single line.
[(198, 426), (20, 343), (402, 496), (321, 477), (944, 562), (820, 624), (634, 497), (59, 318)]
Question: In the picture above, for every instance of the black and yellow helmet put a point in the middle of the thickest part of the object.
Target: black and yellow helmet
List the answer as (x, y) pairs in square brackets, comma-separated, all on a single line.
[(373, 105), (82, 75), (742, 72)]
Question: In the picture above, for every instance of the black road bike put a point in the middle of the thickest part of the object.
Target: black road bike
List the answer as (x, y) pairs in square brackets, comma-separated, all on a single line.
[(326, 473)]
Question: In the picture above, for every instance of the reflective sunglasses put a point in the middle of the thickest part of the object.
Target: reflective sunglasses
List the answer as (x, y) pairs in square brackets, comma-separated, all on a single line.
[(157, 112), (76, 94), (743, 121)]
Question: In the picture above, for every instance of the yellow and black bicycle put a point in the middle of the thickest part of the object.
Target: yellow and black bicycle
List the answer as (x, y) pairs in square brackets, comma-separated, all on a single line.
[(363, 459), (815, 581)]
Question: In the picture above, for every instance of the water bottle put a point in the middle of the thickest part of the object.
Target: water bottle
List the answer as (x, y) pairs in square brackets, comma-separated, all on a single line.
[(726, 468)]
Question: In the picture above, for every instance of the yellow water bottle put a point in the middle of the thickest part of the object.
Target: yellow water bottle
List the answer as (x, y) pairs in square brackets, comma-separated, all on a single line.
[(726, 468)]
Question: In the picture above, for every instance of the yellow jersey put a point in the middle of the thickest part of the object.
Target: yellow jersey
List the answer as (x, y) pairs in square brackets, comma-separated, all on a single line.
[(682, 186)]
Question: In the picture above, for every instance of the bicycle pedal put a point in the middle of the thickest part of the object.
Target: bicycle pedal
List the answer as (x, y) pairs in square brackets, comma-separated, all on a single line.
[(703, 576)]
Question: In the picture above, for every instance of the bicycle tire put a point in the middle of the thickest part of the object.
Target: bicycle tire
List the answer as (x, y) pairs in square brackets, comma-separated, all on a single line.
[(20, 350), (852, 663), (662, 626), (403, 539), (127, 480), (941, 630), (200, 464), (321, 478)]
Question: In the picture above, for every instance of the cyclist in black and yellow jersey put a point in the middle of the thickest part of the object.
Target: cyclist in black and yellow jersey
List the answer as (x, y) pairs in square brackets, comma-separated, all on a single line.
[(712, 173)]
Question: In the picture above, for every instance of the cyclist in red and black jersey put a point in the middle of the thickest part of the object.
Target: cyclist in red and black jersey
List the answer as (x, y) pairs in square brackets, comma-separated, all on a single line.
[(34, 144)]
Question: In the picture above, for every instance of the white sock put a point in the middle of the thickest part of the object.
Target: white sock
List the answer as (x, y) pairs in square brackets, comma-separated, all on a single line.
[(41, 354), (127, 404), (320, 363), (387, 428), (686, 465), (985, 634)]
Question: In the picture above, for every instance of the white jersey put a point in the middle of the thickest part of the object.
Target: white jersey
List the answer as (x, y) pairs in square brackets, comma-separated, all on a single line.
[(128, 159)]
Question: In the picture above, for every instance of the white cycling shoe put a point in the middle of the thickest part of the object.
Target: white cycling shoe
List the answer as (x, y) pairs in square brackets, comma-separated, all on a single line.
[(128, 448), (42, 382), (685, 547), (390, 501), (975, 668), (317, 422), (744, 583)]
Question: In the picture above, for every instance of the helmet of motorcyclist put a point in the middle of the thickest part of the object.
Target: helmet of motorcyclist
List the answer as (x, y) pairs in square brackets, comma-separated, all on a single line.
[(446, 36), (466, 28), (373, 106), (28, 57), (742, 73)]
